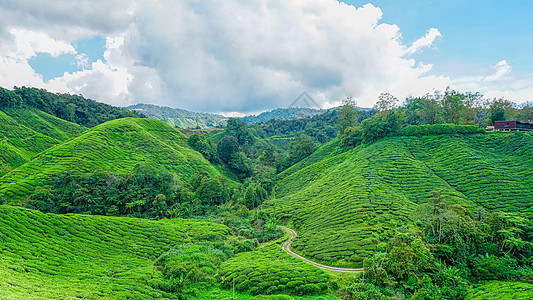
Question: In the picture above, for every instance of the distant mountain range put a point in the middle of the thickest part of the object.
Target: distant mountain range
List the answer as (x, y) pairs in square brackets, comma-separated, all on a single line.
[(187, 119), (179, 117), (291, 113)]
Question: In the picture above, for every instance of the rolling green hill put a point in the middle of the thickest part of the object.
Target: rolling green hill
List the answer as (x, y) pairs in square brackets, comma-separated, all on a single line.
[(116, 146), (72, 108), (48, 256), (26, 132), (345, 203)]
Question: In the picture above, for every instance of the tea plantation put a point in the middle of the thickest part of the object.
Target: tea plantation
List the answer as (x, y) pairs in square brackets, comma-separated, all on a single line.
[(47, 256), (498, 290), (268, 270), (117, 146), (26, 132), (345, 204)]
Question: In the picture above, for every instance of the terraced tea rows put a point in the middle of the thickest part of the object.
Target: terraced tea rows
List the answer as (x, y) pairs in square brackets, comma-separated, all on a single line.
[(47, 256), (26, 132), (486, 169), (345, 204), (117, 145), (269, 270)]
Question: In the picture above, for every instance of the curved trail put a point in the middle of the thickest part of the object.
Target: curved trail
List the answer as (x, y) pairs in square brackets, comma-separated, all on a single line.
[(287, 248)]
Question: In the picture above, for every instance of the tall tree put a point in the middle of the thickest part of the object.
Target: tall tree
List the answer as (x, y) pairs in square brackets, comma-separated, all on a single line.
[(386, 102), (453, 105), (300, 148), (238, 129), (347, 115), (498, 109), (227, 148)]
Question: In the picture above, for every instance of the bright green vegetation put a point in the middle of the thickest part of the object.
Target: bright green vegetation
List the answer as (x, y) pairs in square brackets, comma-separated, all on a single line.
[(72, 108), (268, 270), (26, 132), (498, 290), (494, 171), (117, 146), (344, 204), (47, 256), (179, 117)]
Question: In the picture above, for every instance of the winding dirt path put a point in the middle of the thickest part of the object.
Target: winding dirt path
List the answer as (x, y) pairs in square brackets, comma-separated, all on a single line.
[(287, 248)]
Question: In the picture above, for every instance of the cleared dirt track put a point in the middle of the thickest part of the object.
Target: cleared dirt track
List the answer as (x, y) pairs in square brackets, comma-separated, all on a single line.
[(287, 248)]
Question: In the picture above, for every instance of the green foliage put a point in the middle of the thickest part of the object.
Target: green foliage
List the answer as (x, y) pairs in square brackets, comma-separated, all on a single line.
[(453, 103), (146, 192), (347, 115), (239, 130), (497, 109), (386, 102), (116, 146), (256, 226), (269, 270), (26, 132), (420, 130), (9, 99), (352, 136), (205, 147), (193, 265), (47, 256), (366, 291), (501, 290), (71, 108), (301, 148), (383, 124), (346, 204), (228, 148), (422, 111)]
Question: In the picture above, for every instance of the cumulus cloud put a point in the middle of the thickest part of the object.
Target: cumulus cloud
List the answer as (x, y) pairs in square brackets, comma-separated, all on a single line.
[(502, 68), (234, 55), (424, 42)]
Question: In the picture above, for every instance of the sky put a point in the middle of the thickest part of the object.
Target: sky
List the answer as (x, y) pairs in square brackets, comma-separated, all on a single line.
[(249, 56)]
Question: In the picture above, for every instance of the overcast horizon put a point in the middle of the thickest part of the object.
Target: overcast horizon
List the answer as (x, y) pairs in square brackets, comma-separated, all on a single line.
[(254, 56)]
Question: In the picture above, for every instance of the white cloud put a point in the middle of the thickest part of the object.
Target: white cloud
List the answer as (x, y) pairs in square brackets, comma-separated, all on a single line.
[(424, 42), (234, 55), (502, 68), (501, 84), (29, 43)]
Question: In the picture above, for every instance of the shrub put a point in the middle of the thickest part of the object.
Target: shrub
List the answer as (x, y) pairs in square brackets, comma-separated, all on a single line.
[(420, 130), (366, 291)]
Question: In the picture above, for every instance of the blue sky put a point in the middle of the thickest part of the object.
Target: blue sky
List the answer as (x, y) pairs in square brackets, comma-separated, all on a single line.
[(475, 33), (51, 67), (250, 56)]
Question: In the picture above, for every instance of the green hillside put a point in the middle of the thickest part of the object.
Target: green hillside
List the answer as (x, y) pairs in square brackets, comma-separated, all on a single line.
[(179, 117), (118, 146), (72, 108), (26, 132), (346, 203), (48, 256)]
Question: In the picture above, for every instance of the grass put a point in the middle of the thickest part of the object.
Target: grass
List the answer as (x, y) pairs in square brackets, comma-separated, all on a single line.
[(345, 204), (47, 256), (26, 132), (502, 290), (116, 145)]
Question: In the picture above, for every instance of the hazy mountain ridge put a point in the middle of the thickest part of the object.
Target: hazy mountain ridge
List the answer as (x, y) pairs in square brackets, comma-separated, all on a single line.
[(179, 117)]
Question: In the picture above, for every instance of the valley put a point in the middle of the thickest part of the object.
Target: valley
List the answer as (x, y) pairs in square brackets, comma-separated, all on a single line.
[(104, 203)]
